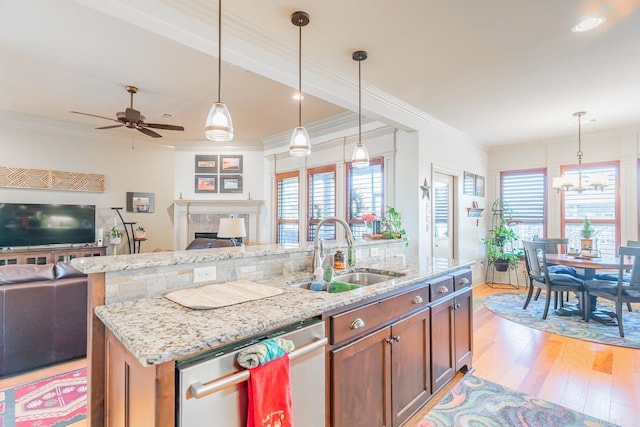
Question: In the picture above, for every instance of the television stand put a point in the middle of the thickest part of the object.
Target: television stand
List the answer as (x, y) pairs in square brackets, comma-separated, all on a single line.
[(51, 255)]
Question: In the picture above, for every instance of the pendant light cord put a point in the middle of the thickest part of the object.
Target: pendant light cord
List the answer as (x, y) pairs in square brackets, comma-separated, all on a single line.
[(360, 102), (299, 75), (580, 150), (219, 47)]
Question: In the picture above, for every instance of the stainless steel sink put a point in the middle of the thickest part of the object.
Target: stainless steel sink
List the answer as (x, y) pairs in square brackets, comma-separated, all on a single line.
[(355, 280), (363, 278)]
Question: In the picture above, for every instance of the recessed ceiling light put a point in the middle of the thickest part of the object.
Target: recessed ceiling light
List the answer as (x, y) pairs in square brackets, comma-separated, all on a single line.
[(587, 24), (298, 96)]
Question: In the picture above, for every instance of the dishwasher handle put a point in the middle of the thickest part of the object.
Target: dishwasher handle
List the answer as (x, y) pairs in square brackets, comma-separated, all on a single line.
[(198, 390)]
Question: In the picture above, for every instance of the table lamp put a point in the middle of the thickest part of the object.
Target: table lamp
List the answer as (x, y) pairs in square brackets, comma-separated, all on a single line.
[(231, 228)]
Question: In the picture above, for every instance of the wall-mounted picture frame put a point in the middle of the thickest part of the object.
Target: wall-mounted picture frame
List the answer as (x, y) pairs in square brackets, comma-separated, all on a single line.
[(206, 184), (472, 184), (230, 164), (231, 183), (206, 163), (141, 202)]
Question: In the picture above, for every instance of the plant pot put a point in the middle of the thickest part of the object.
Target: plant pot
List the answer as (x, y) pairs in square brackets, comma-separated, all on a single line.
[(140, 235), (115, 240), (586, 244), (501, 264)]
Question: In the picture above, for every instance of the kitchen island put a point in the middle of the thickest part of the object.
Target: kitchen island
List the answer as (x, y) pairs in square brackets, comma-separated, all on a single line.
[(153, 332)]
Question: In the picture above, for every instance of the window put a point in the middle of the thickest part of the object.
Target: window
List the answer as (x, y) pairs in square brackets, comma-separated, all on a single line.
[(600, 206), (321, 201), (523, 192), (364, 194), (287, 207)]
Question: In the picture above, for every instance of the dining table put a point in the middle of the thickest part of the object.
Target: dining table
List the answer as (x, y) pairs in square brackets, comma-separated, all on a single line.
[(589, 265)]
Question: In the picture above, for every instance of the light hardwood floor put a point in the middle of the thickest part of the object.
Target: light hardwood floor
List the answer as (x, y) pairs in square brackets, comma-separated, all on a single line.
[(597, 379)]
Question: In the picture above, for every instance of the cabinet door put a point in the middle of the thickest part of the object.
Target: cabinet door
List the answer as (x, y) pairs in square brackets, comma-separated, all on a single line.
[(410, 365), (360, 382), (442, 356), (463, 342)]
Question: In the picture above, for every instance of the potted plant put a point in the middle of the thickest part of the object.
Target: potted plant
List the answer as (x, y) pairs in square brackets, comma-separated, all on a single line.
[(392, 226), (500, 250), (139, 233), (114, 235), (586, 243)]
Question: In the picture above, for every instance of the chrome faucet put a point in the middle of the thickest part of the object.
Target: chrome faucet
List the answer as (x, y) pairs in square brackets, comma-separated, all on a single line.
[(316, 241)]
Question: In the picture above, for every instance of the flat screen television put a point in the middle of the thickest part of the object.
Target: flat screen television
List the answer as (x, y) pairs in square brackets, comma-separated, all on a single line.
[(25, 224)]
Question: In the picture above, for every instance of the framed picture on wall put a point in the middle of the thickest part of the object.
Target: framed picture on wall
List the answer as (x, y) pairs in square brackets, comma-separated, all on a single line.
[(206, 184), (231, 183), (469, 184), (206, 163), (230, 164), (140, 202), (479, 186)]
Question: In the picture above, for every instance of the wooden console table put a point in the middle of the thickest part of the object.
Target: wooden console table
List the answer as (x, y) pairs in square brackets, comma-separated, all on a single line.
[(49, 255)]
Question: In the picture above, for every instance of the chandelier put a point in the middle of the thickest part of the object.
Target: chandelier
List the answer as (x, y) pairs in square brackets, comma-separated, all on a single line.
[(580, 183)]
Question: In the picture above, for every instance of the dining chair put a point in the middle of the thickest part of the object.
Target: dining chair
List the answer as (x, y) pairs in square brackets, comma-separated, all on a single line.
[(556, 245), (626, 289), (540, 277)]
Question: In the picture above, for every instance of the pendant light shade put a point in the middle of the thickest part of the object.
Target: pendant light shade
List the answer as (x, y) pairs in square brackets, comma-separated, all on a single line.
[(219, 127), (360, 156), (300, 144)]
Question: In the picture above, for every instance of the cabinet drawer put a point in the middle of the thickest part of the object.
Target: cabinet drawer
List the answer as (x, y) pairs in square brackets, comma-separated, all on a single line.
[(461, 279), (363, 319), (441, 287)]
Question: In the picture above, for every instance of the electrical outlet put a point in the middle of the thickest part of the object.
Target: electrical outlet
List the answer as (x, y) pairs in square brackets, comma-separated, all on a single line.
[(204, 274)]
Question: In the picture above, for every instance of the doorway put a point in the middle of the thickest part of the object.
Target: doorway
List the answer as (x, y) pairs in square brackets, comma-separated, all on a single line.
[(443, 221)]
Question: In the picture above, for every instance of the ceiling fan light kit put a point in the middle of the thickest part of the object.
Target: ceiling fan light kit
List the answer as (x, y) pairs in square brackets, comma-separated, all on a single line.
[(300, 144), (219, 127), (360, 156)]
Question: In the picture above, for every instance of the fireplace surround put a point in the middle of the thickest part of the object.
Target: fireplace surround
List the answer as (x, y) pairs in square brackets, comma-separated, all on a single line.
[(203, 216)]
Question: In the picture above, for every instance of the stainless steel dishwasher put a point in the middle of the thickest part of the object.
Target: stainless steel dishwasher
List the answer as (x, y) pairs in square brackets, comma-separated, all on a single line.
[(212, 389)]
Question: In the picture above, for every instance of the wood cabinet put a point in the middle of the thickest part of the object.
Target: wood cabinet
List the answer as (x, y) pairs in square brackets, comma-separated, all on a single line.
[(49, 255), (387, 368), (451, 331)]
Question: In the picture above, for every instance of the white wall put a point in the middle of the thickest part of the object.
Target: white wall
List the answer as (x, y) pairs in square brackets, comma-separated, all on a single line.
[(621, 145), (146, 168)]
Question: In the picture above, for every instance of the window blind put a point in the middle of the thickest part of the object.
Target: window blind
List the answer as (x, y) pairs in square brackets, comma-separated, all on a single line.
[(287, 207), (321, 199), (364, 194)]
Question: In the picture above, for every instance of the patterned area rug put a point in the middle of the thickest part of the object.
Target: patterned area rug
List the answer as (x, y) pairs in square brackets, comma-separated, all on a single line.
[(480, 403), (57, 401), (509, 305)]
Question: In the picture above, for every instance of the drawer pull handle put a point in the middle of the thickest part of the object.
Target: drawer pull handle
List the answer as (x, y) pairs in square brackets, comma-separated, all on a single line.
[(396, 338), (357, 324), (443, 290), (417, 300), (464, 281)]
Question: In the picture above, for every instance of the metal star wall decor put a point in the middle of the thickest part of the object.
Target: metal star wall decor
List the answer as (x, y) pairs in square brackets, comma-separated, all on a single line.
[(425, 190)]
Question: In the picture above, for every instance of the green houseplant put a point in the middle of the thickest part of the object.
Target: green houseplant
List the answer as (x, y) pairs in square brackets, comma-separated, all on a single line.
[(114, 235), (500, 243), (586, 243), (392, 225)]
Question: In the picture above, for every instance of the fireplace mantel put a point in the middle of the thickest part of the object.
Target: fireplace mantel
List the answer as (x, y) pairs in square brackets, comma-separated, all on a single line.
[(191, 216)]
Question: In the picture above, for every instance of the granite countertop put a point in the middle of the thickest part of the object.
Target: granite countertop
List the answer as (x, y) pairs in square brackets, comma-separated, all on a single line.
[(157, 330)]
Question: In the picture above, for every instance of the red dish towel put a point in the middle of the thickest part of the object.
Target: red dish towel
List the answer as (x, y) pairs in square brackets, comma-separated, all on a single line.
[(270, 395)]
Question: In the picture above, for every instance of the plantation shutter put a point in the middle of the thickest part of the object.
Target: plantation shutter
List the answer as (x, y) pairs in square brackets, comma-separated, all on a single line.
[(321, 201), (523, 192), (287, 207), (364, 194)]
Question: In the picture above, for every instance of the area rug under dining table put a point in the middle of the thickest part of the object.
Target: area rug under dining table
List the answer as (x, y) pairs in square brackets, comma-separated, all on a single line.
[(509, 305), (474, 401)]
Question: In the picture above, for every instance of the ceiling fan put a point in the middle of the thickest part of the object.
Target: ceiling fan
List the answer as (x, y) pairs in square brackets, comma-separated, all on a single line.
[(133, 119)]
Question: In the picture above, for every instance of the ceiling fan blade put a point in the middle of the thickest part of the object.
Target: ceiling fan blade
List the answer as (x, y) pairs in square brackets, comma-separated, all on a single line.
[(161, 126), (93, 115), (149, 132), (110, 127), (132, 115)]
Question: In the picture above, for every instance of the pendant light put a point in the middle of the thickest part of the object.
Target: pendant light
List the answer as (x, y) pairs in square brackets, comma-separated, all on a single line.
[(360, 157), (596, 181), (219, 127), (300, 144)]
